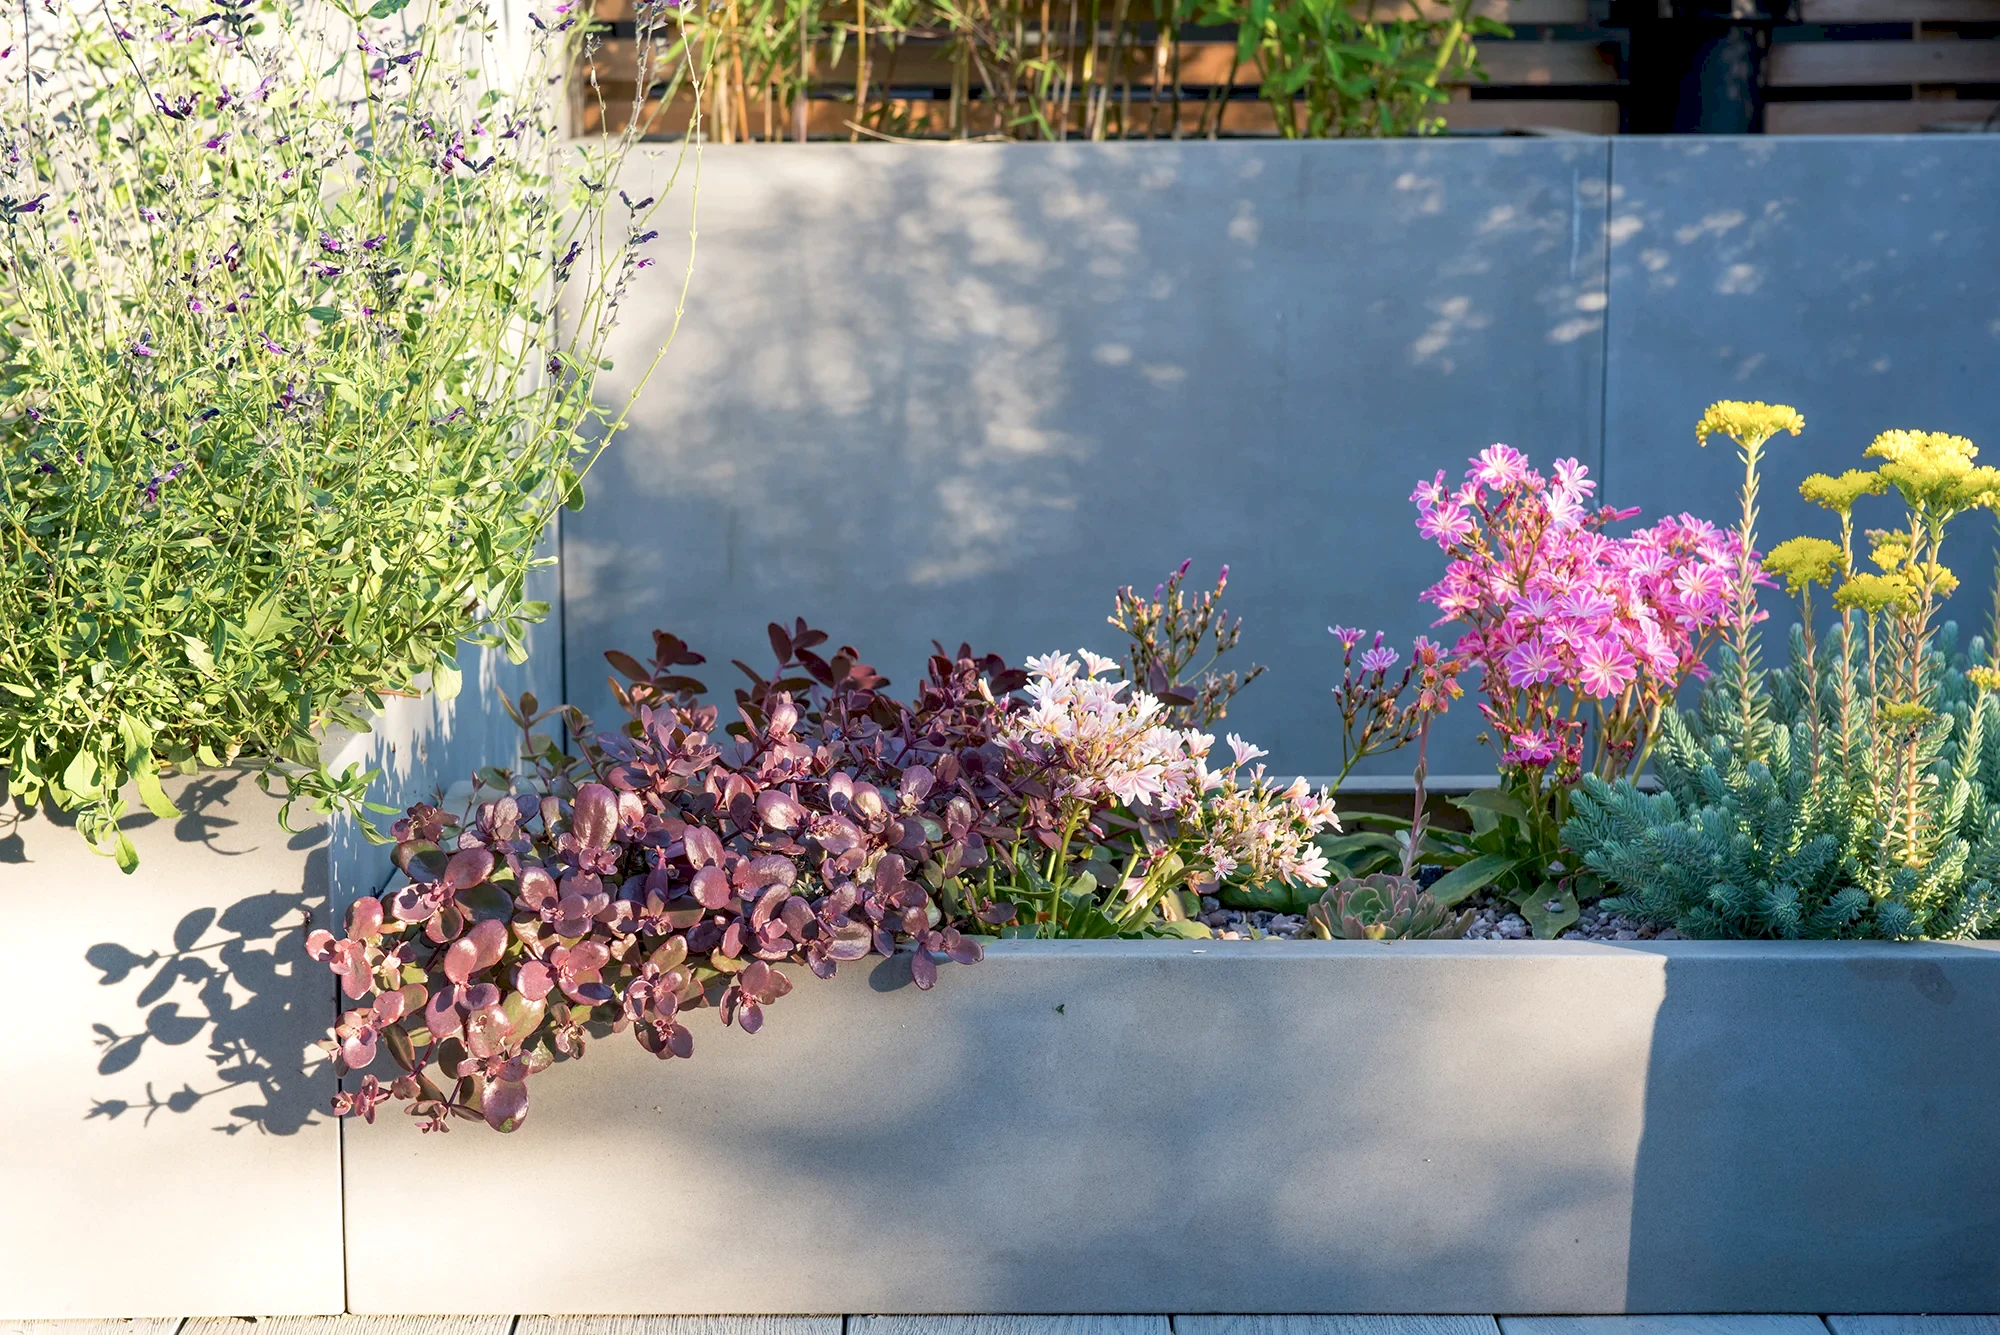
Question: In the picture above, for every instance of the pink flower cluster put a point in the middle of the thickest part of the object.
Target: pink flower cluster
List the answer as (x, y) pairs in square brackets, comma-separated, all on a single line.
[(1558, 613)]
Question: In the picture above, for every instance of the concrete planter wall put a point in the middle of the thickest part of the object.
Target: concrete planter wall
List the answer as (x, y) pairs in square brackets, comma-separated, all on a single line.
[(168, 1148), (1263, 1127)]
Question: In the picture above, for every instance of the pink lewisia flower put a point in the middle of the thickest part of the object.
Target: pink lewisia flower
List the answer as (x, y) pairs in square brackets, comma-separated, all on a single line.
[(1531, 663), (1349, 636), (1500, 466), (1604, 668), (1379, 659), (1446, 523)]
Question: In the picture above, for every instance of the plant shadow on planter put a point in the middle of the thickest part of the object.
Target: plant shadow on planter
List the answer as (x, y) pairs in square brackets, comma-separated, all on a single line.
[(1818, 1131), (228, 977)]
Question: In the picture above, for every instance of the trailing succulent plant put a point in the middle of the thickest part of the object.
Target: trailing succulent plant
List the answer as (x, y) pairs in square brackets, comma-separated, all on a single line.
[(1384, 908), (1856, 793), (676, 863)]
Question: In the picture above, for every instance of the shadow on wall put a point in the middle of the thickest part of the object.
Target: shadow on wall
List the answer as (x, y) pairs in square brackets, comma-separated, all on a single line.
[(1820, 1138), (965, 392), (227, 979)]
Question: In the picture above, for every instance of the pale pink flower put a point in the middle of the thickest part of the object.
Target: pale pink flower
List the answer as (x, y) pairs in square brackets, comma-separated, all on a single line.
[(1604, 668)]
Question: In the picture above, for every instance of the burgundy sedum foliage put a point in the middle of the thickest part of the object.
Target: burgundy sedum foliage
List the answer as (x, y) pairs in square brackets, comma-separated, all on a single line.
[(677, 866)]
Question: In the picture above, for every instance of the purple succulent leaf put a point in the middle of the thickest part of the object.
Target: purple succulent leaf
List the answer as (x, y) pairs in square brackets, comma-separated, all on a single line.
[(505, 1104), (441, 1015), (468, 868), (850, 942), (537, 890), (364, 918), (534, 980), (704, 846), (923, 969), (710, 886), (778, 811), (594, 817)]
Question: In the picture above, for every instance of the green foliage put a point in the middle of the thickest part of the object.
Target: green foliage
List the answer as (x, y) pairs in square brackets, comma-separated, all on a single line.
[(1383, 908), (1810, 840), (282, 413), (1850, 795), (1072, 69), (1330, 71)]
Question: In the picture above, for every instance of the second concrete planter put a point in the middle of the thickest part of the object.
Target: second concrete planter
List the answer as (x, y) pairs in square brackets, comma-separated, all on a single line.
[(1258, 1127)]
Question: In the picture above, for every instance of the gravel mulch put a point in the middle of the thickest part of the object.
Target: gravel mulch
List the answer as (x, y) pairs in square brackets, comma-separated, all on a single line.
[(1492, 920)]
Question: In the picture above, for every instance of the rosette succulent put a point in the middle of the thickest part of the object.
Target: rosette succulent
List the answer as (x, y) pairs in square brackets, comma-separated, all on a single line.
[(1384, 908)]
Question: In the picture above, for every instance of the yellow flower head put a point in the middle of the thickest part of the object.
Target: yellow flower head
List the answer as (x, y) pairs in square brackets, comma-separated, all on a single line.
[(1748, 424), (1888, 548), (1985, 678), (1839, 494), (1872, 593), (1804, 562), (1907, 711), (1939, 577), (1935, 471)]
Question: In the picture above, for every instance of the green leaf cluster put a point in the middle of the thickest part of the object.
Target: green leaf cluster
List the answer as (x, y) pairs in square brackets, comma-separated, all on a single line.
[(1818, 838), (284, 411)]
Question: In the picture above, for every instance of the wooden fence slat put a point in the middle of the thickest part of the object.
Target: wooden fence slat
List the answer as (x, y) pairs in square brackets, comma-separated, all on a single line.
[(925, 64), (1900, 11), (1544, 12), (1843, 64), (1870, 118)]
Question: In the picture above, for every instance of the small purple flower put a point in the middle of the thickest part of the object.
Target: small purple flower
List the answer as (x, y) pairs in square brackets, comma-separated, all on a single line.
[(149, 215), (375, 242), (140, 349), (272, 346), (197, 305), (329, 243), (32, 206), (177, 110), (34, 414), (219, 142), (1379, 659), (1349, 636), (327, 270), (643, 238), (264, 89), (645, 263)]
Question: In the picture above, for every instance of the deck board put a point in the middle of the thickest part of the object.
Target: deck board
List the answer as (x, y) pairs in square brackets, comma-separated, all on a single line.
[(1914, 1325), (349, 1325), (679, 1325), (1662, 1325), (1336, 1325), (1007, 1325)]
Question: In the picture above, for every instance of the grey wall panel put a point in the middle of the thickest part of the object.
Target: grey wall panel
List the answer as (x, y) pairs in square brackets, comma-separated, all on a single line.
[(963, 392), (1856, 279)]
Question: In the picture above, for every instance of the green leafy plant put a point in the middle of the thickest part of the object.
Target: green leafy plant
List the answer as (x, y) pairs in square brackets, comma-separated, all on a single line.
[(1852, 793), (284, 406), (1383, 908), (1331, 70)]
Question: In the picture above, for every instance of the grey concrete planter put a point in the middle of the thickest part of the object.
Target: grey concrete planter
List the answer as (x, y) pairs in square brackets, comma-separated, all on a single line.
[(167, 1148), (1246, 1127), (166, 1145)]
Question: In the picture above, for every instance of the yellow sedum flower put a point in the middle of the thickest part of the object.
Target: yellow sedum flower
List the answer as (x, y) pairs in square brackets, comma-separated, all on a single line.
[(1888, 548), (1839, 494), (1985, 678), (1935, 471), (1748, 424), (1872, 593), (1804, 562), (1907, 711)]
